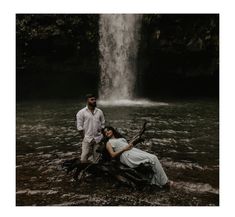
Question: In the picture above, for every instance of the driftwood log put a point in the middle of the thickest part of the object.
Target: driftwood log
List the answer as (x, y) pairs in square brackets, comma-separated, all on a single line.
[(134, 177)]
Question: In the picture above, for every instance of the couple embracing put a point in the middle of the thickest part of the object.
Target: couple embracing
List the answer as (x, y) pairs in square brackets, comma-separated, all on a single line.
[(91, 126)]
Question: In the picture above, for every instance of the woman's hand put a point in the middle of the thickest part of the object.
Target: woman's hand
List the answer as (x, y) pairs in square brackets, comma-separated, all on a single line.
[(130, 146)]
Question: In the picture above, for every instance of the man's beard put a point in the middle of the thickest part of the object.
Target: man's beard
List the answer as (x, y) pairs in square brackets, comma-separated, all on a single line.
[(92, 104)]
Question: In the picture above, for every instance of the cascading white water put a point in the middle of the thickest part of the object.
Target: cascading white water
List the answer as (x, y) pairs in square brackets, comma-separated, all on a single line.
[(119, 36), (118, 45)]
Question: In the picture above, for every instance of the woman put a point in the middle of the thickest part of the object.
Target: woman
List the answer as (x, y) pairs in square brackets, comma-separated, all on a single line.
[(117, 146)]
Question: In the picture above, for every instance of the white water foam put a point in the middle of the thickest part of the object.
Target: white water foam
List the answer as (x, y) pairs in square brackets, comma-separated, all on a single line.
[(127, 102), (195, 187), (33, 192)]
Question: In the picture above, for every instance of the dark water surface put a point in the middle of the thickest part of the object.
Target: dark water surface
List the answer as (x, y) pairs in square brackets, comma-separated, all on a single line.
[(183, 134)]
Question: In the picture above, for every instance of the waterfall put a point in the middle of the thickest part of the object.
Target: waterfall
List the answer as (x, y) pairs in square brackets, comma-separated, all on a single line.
[(118, 45)]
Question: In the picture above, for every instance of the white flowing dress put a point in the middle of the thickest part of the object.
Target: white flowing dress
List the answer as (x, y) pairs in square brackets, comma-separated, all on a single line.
[(135, 157)]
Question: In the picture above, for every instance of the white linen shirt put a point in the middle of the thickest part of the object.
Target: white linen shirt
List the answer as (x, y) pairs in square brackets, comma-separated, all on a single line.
[(91, 124)]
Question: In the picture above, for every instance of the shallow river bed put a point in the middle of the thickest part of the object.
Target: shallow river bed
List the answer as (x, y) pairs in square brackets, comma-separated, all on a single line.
[(183, 134)]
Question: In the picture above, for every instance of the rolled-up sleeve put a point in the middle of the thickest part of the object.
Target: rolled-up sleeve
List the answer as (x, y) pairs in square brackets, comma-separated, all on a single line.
[(80, 120)]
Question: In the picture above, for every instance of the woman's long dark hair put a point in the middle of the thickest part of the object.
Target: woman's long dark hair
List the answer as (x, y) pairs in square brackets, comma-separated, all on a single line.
[(115, 132), (105, 154)]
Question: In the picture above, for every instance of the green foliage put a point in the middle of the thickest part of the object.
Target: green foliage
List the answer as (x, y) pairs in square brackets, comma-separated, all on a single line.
[(61, 34), (182, 32)]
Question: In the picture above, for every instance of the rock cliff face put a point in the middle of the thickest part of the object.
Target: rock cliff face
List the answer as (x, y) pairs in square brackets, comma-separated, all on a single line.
[(58, 55)]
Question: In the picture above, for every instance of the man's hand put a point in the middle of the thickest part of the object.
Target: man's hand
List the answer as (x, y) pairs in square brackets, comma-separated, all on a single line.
[(81, 133)]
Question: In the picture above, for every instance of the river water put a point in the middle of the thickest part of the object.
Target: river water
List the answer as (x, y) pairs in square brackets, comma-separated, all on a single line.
[(183, 134)]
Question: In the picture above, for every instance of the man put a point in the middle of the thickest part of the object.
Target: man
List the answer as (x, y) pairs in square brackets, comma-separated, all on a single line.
[(90, 122)]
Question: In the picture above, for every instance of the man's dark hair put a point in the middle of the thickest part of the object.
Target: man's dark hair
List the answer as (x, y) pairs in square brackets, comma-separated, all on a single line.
[(90, 95)]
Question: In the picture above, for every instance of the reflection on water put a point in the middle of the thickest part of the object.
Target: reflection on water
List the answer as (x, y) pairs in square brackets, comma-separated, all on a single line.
[(184, 136)]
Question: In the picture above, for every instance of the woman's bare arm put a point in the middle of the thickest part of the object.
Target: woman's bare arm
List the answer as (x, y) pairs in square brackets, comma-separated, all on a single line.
[(113, 153)]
